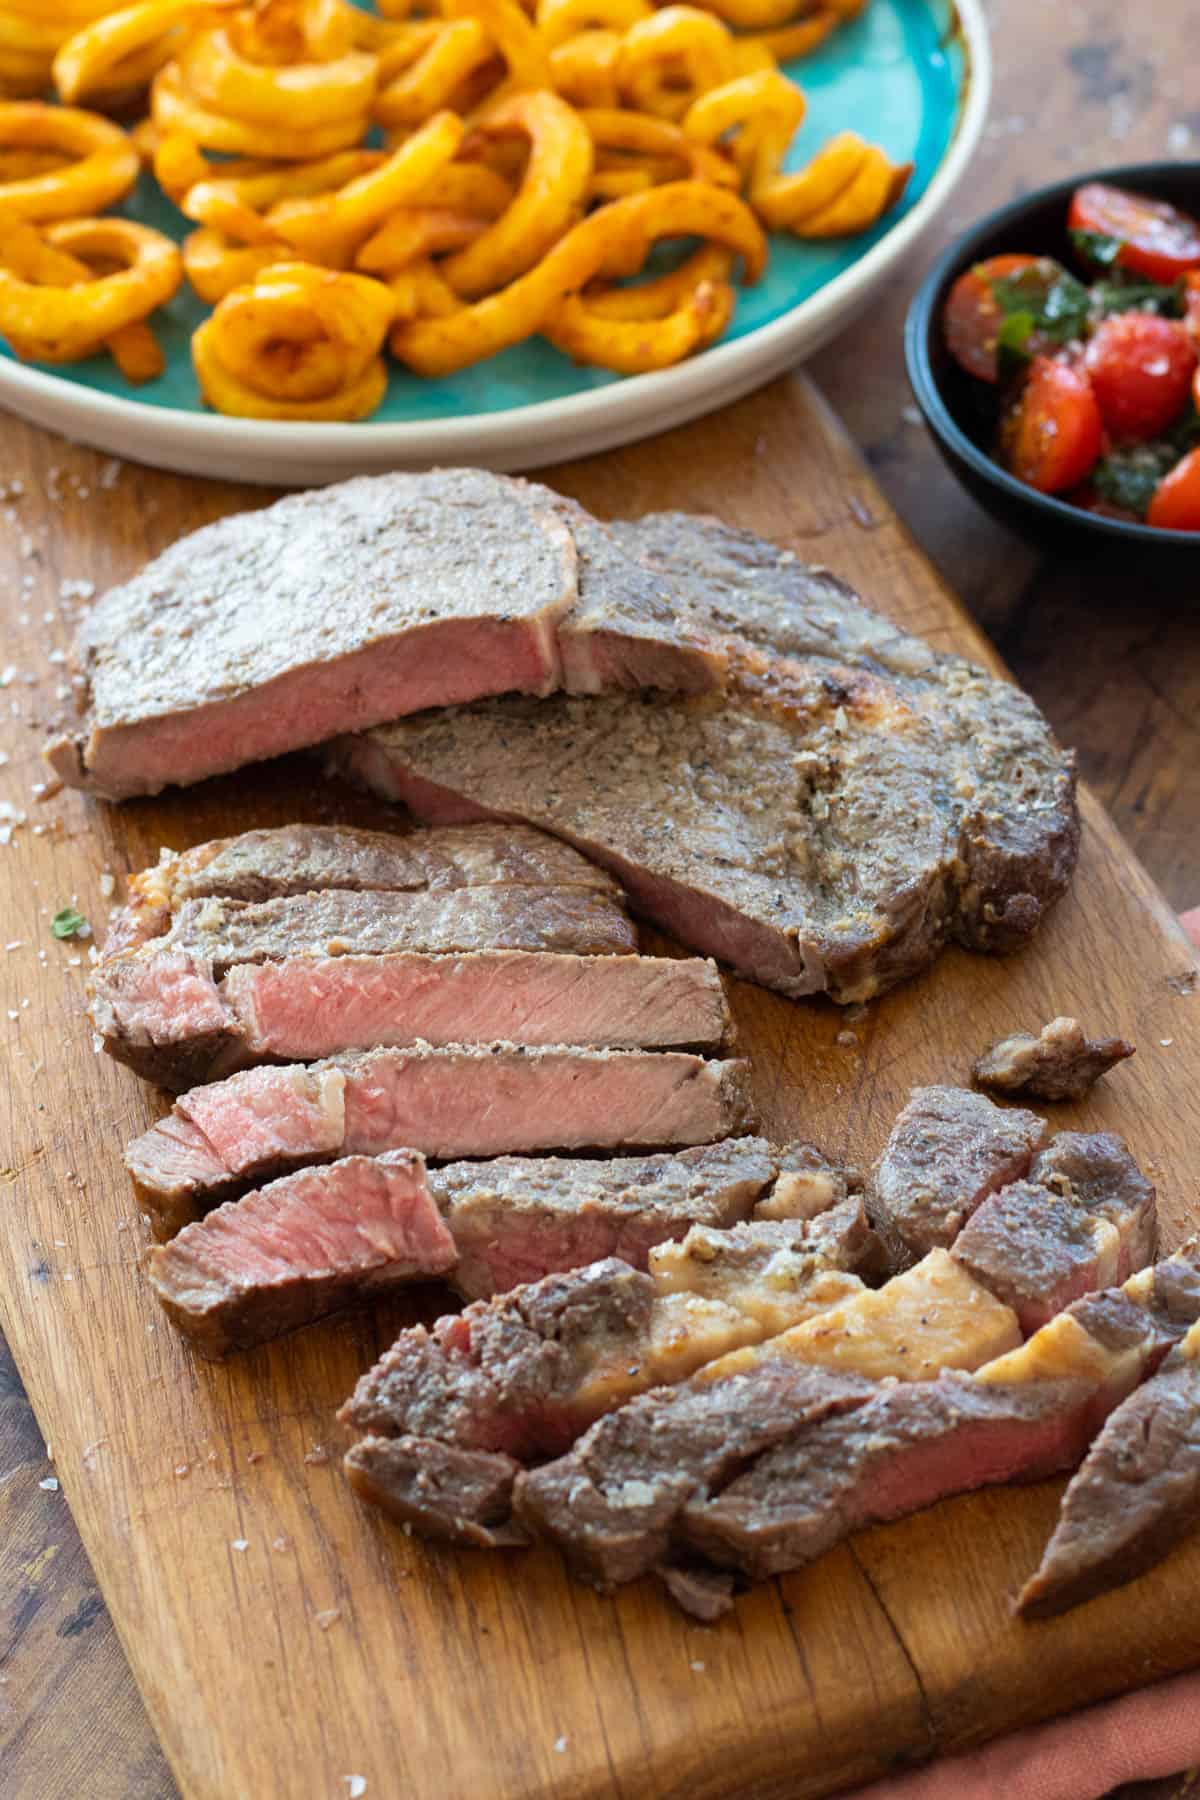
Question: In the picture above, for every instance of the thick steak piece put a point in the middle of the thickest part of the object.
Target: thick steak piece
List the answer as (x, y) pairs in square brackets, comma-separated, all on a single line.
[(902, 1450), (1060, 1063), (455, 1102), (1096, 1172), (440, 1490), (852, 801), (301, 1248), (165, 1016), (518, 1218), (304, 859), (333, 610), (1136, 1496), (613, 1503), (948, 1150)]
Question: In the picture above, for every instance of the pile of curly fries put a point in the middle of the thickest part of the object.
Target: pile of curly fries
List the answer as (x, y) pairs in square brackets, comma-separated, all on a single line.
[(531, 163)]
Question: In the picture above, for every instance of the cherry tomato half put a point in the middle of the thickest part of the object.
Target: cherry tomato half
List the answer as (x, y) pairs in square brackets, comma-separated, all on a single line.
[(1141, 369), (1191, 305), (1176, 502), (1156, 239), (1054, 433), (972, 316)]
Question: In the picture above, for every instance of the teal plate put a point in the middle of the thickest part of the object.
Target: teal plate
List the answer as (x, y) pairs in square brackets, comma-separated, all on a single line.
[(911, 75)]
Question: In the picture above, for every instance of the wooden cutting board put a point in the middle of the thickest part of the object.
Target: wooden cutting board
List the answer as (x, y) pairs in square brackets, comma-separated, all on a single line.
[(287, 1640)]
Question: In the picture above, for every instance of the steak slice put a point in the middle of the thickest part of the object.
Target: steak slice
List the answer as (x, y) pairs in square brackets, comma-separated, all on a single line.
[(900, 1451), (1060, 1063), (453, 1102), (333, 610), (527, 1371), (1136, 1496), (518, 1218), (855, 798), (164, 1016), (573, 921), (948, 1150), (303, 859), (1037, 1251), (440, 1490), (612, 1504), (1096, 1171), (301, 1248)]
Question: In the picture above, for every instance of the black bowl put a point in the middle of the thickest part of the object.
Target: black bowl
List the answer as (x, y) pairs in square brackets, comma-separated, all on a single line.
[(960, 411)]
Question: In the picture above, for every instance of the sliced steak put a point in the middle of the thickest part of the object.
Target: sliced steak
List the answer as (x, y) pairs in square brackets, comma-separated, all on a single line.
[(706, 1594), (1096, 1171), (164, 1016), (301, 1248), (613, 1503), (520, 1217), (510, 1373), (527, 1371), (303, 859), (808, 1183), (948, 1150), (854, 800), (570, 921), (905, 1448), (440, 1490), (1136, 1496), (333, 610), (933, 1316), (1037, 1251), (459, 1101), (1060, 1063)]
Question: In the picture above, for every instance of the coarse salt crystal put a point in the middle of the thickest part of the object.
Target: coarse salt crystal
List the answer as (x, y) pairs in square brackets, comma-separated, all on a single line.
[(698, 1666), (560, 1744), (1166, 1042), (50, 1484), (108, 883), (326, 1619), (356, 1785), (239, 1543)]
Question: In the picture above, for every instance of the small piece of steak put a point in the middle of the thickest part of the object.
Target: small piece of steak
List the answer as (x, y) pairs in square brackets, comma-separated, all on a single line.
[(300, 1248), (518, 1218), (453, 1102), (1038, 1251), (569, 921), (808, 1183), (1096, 1171), (440, 1490), (948, 1150), (304, 859), (1136, 1496), (1060, 1063), (612, 1504), (905, 1448), (336, 609)]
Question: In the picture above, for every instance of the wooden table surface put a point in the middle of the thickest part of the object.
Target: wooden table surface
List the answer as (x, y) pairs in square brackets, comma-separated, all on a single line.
[(1111, 656)]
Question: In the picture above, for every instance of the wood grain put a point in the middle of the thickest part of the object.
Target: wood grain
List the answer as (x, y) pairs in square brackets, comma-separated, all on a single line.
[(442, 1674)]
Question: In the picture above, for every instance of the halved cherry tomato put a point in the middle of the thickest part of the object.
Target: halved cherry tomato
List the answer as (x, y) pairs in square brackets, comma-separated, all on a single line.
[(1141, 369), (1176, 502), (1191, 304), (1053, 435), (972, 316), (1156, 239)]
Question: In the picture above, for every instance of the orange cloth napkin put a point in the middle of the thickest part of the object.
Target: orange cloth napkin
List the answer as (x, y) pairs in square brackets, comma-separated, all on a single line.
[(1142, 1737)]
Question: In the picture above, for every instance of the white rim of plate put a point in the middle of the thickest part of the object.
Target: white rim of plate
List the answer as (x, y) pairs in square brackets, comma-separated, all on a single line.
[(481, 433)]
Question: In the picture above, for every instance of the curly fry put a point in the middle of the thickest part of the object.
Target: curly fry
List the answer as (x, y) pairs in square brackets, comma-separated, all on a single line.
[(458, 50), (584, 70), (122, 50), (635, 346), (513, 35), (420, 292), (215, 264), (548, 201), (662, 294), (304, 94), (613, 241), (299, 343), (64, 322), (677, 153), (668, 60), (235, 202), (175, 108), (414, 234), (558, 21), (102, 166), (765, 110), (134, 348), (846, 187), (467, 187), (331, 228)]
